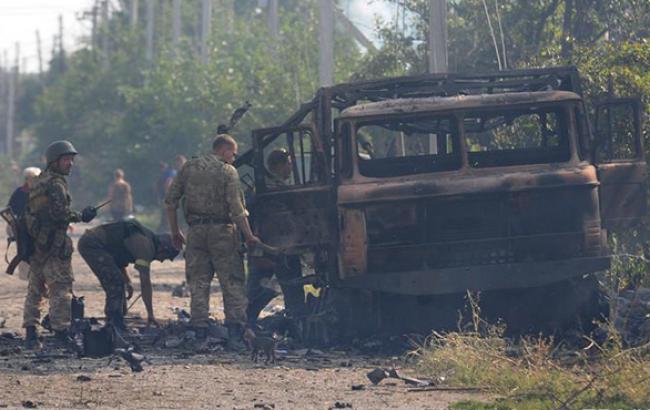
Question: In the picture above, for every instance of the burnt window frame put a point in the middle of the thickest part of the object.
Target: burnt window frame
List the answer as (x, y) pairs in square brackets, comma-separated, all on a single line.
[(566, 115), (455, 131), (266, 137)]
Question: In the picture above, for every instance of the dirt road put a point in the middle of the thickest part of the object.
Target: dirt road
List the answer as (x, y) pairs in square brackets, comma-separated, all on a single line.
[(181, 379)]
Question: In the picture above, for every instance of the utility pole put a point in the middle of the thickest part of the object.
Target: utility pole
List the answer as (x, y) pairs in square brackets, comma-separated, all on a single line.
[(150, 27), (105, 34), (39, 53), (438, 36), (326, 40), (11, 107), (134, 14), (437, 56), (61, 51), (176, 23), (93, 32), (273, 20), (4, 85), (206, 26)]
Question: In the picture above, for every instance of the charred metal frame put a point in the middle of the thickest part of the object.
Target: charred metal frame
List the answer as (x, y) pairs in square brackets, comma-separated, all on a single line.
[(342, 219)]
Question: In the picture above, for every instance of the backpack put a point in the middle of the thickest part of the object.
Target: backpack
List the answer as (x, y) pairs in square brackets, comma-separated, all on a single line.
[(20, 235)]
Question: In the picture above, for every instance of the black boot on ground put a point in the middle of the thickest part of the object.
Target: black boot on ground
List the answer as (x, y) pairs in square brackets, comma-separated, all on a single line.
[(63, 339), (235, 343), (31, 338)]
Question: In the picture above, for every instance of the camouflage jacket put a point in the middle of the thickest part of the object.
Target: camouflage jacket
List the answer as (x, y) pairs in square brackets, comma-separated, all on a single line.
[(48, 212), (210, 188)]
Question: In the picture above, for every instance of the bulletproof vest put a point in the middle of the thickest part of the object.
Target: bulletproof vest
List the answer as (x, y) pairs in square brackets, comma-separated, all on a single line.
[(205, 188), (41, 229), (117, 232)]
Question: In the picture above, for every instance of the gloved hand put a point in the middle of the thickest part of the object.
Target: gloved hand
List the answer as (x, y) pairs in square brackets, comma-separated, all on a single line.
[(88, 214)]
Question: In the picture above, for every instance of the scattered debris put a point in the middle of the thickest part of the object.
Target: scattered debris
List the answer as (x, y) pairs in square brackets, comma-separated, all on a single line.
[(181, 291), (83, 378), (133, 358), (92, 339), (9, 335), (3, 321), (377, 375), (28, 404), (182, 314), (264, 406), (446, 388), (173, 342), (10, 351), (341, 405), (632, 318)]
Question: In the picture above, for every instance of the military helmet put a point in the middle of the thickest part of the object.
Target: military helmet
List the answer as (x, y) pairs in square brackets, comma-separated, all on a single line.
[(166, 247), (59, 148)]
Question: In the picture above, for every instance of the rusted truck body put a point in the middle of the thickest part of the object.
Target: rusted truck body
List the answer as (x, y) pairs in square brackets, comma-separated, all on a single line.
[(430, 186)]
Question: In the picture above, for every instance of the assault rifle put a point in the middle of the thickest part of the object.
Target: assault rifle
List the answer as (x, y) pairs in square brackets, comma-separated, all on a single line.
[(19, 234)]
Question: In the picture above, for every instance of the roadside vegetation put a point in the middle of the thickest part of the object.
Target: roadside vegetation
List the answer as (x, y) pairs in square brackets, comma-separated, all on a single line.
[(534, 373)]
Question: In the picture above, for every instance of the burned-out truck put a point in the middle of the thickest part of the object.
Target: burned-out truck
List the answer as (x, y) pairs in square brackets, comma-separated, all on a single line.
[(408, 192)]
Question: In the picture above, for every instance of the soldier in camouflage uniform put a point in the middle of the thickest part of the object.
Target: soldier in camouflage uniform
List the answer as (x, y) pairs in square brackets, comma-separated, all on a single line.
[(109, 248), (47, 217), (214, 209)]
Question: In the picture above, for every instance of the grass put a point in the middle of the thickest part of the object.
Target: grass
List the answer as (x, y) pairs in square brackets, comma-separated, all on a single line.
[(537, 373)]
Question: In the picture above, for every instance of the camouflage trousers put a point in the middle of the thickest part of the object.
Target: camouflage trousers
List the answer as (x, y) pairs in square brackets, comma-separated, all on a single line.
[(210, 249), (103, 265), (49, 274)]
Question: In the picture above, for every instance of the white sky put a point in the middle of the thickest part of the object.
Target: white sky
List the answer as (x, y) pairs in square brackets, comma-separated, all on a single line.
[(19, 20)]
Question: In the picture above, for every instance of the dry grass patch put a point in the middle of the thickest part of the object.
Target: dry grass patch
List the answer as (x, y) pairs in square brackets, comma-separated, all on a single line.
[(536, 373)]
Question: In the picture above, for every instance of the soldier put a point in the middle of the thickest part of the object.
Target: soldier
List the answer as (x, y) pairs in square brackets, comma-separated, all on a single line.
[(47, 217), (214, 208), (18, 203), (109, 248), (285, 268)]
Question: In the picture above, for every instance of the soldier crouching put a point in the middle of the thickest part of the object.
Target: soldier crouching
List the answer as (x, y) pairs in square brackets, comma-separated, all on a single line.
[(108, 249)]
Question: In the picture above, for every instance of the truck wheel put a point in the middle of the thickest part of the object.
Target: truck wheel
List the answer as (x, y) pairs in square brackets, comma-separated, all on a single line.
[(554, 309)]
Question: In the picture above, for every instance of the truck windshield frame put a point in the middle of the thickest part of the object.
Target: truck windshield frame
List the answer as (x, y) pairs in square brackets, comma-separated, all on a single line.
[(531, 134), (517, 136), (407, 145)]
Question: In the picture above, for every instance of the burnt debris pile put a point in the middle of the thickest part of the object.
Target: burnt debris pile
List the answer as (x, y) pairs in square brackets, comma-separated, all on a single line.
[(632, 316)]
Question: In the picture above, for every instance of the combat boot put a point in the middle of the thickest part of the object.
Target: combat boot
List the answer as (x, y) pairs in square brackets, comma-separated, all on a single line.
[(235, 343), (63, 339), (31, 338)]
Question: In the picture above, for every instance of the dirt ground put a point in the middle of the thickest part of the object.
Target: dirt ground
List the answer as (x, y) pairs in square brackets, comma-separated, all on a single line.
[(181, 379)]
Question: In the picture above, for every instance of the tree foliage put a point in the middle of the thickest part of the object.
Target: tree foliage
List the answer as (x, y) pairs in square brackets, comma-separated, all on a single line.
[(123, 111)]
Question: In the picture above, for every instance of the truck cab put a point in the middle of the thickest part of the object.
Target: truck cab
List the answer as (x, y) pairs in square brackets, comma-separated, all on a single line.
[(437, 185)]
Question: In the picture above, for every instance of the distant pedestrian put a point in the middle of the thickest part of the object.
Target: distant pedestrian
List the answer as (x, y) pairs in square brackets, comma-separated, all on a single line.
[(18, 202), (121, 197), (163, 183)]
